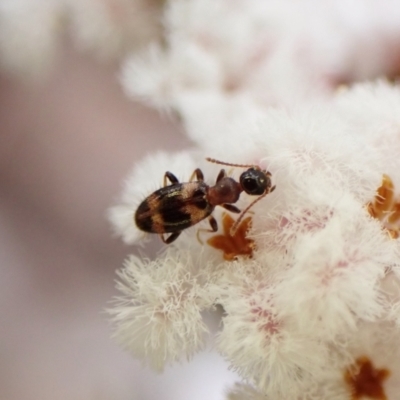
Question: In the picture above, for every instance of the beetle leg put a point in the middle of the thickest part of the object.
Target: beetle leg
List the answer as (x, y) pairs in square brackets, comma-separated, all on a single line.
[(172, 178), (231, 208), (213, 224), (214, 228), (221, 175), (198, 174), (171, 237)]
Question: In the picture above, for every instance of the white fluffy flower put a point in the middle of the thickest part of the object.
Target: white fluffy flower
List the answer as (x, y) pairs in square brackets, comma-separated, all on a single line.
[(322, 270), (276, 43), (158, 318), (340, 264), (261, 343), (111, 28), (372, 109), (366, 367), (255, 53)]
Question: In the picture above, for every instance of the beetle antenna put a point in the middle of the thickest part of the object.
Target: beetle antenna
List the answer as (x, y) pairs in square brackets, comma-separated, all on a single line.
[(213, 160), (237, 222)]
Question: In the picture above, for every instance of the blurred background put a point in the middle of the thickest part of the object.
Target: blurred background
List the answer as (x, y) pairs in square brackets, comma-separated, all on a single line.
[(66, 144)]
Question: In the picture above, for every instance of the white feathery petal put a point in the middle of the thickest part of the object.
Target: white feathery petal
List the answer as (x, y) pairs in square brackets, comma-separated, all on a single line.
[(228, 123), (145, 76), (313, 141), (279, 227), (158, 317), (243, 391), (289, 53), (259, 31), (262, 346), (390, 287), (204, 38), (373, 110), (160, 78), (339, 265)]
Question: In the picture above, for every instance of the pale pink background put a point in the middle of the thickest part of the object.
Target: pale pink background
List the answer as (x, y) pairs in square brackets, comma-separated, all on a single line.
[(66, 144)]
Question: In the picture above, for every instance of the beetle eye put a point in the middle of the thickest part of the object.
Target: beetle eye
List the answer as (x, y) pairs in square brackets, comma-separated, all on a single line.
[(254, 182), (250, 185)]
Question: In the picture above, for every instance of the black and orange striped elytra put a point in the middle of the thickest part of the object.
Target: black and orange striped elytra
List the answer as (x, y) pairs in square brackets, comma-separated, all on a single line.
[(178, 206)]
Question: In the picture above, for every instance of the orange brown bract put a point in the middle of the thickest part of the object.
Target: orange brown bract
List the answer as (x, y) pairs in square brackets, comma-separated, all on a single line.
[(385, 208), (233, 245), (366, 381)]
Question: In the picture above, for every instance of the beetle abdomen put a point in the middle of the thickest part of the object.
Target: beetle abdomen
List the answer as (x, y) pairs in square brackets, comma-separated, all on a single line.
[(173, 208)]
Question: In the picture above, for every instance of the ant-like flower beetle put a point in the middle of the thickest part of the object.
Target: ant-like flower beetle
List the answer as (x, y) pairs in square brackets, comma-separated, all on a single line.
[(178, 206)]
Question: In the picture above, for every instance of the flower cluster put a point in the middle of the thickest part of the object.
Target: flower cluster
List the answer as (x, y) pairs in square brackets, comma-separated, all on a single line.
[(309, 281), (224, 57)]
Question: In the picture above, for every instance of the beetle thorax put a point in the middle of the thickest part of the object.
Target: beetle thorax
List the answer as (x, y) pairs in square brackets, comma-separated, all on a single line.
[(227, 190)]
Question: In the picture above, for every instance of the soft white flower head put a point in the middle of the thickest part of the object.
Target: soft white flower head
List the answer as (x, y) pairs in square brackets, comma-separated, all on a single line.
[(277, 46), (260, 54), (310, 276), (366, 367), (158, 318), (259, 341), (111, 28), (373, 109), (340, 264)]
